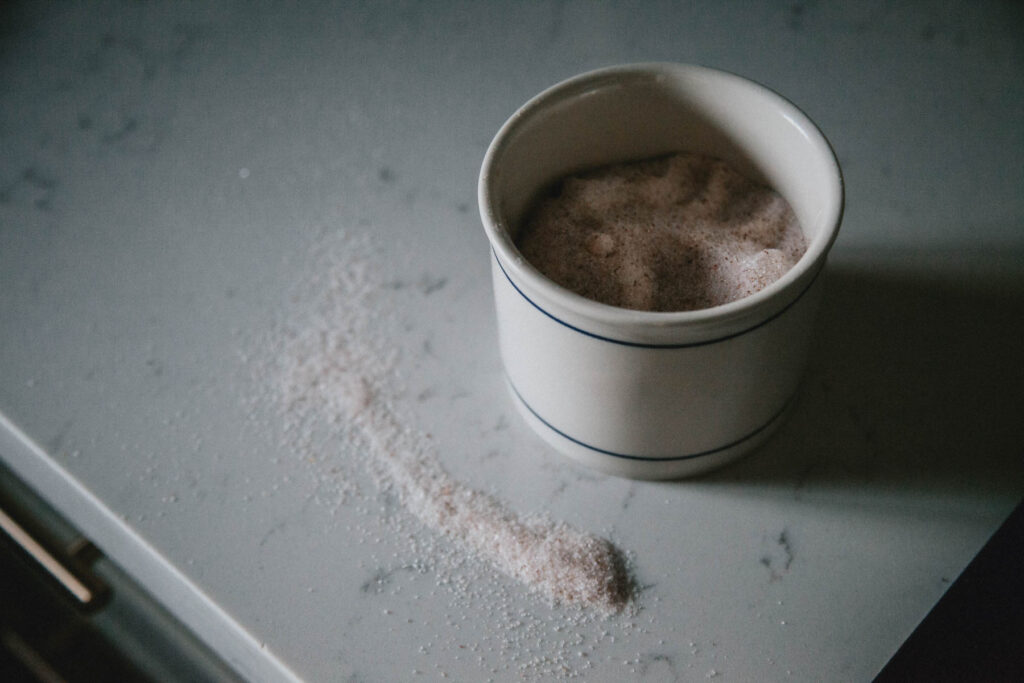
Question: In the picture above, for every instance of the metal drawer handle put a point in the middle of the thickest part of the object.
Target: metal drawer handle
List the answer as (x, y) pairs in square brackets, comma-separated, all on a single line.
[(48, 561)]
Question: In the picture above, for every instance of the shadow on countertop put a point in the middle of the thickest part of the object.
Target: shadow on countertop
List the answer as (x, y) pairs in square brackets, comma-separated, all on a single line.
[(915, 380)]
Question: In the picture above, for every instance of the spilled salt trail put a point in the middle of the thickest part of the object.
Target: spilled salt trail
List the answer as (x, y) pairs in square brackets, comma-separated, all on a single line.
[(565, 565), (334, 364)]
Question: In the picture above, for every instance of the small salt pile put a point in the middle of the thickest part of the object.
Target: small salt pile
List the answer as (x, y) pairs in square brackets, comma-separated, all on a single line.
[(675, 233), (565, 565)]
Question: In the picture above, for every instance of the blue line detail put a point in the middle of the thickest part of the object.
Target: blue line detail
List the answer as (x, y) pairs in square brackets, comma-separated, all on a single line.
[(643, 345), (646, 458)]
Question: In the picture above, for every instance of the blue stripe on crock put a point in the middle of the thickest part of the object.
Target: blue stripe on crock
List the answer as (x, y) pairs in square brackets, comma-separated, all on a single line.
[(643, 345), (645, 458)]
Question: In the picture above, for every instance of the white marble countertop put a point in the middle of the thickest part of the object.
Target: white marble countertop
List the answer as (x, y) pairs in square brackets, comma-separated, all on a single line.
[(166, 169)]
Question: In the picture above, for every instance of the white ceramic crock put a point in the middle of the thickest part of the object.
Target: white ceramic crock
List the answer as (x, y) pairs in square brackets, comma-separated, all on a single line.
[(636, 393)]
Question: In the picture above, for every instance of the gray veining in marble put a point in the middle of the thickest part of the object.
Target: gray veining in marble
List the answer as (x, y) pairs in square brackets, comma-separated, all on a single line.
[(164, 167)]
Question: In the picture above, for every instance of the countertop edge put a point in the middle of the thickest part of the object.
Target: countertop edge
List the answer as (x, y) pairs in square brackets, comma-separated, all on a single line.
[(186, 601)]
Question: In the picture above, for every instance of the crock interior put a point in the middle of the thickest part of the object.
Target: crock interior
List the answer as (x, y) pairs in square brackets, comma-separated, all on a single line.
[(631, 113)]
